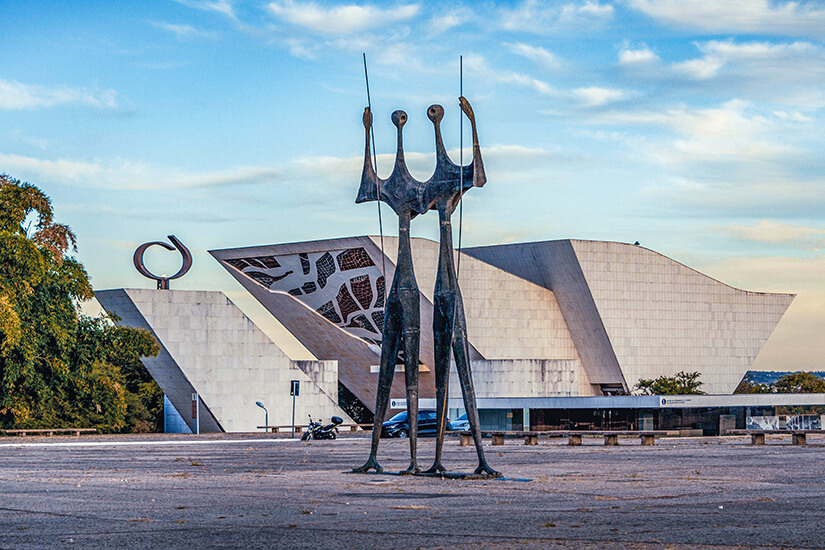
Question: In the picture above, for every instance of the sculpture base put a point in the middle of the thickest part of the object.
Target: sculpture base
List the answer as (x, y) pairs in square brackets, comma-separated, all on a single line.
[(442, 475), (460, 475)]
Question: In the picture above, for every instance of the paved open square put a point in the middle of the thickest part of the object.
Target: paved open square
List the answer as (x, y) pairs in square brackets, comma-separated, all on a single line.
[(255, 491)]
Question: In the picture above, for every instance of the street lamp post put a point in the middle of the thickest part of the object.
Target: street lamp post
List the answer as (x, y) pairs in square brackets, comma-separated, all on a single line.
[(266, 420)]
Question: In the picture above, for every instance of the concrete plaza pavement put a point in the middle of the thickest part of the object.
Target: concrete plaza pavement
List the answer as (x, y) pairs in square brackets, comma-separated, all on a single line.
[(259, 491)]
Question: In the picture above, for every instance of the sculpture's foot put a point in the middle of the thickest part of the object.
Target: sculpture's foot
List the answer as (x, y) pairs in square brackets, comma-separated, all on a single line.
[(436, 468), (412, 470), (483, 468), (371, 463)]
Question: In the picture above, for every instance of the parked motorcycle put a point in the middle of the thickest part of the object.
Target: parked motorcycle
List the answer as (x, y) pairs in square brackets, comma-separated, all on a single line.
[(317, 430)]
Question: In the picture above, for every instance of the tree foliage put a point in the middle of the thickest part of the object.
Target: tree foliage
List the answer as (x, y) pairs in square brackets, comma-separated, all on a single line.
[(746, 386), (800, 382), (682, 383), (59, 368), (794, 382)]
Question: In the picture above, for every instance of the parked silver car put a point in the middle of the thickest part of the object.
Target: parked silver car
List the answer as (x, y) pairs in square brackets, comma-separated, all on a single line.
[(461, 423)]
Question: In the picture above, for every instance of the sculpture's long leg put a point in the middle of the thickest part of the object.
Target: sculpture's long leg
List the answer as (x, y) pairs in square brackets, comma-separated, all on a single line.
[(412, 332), (389, 354), (461, 351), (442, 335)]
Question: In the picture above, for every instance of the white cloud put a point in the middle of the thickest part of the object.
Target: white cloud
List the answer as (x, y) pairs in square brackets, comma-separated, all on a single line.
[(547, 17), (537, 54), (773, 274), (124, 174), (219, 6), (797, 61), (442, 23), (346, 19), (741, 16), (643, 55), (478, 64), (16, 96), (770, 231), (595, 9), (595, 96), (736, 128), (303, 49), (186, 32), (699, 69)]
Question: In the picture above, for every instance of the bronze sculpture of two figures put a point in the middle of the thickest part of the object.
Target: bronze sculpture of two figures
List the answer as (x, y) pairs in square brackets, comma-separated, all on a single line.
[(409, 198)]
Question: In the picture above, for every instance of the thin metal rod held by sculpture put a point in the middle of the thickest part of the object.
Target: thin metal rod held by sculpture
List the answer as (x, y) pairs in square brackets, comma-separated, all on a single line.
[(377, 185), (461, 163), (460, 177)]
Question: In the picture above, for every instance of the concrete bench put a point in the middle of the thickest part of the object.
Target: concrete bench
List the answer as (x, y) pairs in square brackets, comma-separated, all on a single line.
[(277, 429), (611, 437), (49, 431), (798, 437), (574, 437)]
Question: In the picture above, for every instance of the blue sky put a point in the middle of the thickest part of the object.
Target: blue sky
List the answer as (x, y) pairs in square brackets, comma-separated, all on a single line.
[(694, 127)]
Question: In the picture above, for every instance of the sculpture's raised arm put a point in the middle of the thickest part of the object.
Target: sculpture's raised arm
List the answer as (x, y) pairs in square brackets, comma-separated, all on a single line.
[(479, 176), (370, 182)]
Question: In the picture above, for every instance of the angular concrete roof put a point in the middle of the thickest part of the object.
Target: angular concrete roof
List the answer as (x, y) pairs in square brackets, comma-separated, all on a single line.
[(623, 311), (635, 313)]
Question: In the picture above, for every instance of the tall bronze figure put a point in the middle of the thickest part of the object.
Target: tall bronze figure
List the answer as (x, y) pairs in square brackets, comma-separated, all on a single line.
[(408, 198), (442, 192), (402, 316)]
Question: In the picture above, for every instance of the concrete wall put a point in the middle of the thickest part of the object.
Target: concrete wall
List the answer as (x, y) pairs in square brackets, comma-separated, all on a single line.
[(634, 313), (620, 312), (211, 347), (663, 317), (507, 316), (521, 378)]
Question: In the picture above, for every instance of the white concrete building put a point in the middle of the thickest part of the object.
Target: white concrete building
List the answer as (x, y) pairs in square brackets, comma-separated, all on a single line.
[(565, 318), (209, 347)]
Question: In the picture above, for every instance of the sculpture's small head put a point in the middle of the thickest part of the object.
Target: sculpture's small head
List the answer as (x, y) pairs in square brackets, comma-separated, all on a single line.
[(435, 113), (399, 118)]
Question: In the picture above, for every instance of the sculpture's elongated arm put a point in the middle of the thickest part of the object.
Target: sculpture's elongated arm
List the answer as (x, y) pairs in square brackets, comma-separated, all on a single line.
[(370, 182), (479, 177)]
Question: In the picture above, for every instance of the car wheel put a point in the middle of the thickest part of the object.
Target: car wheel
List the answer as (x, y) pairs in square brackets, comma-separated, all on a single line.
[(403, 434)]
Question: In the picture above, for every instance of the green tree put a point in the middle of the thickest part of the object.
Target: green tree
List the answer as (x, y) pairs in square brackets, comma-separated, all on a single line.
[(746, 386), (800, 382), (682, 383), (57, 368)]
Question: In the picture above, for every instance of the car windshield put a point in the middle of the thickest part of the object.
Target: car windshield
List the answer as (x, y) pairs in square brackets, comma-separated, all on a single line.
[(400, 417), (463, 417)]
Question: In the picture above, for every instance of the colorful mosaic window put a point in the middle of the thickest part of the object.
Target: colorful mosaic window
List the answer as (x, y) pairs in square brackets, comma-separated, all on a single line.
[(344, 286), (326, 267), (354, 258), (362, 290)]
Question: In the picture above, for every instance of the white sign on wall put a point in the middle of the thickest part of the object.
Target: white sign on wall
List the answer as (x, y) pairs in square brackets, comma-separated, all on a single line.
[(422, 403)]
